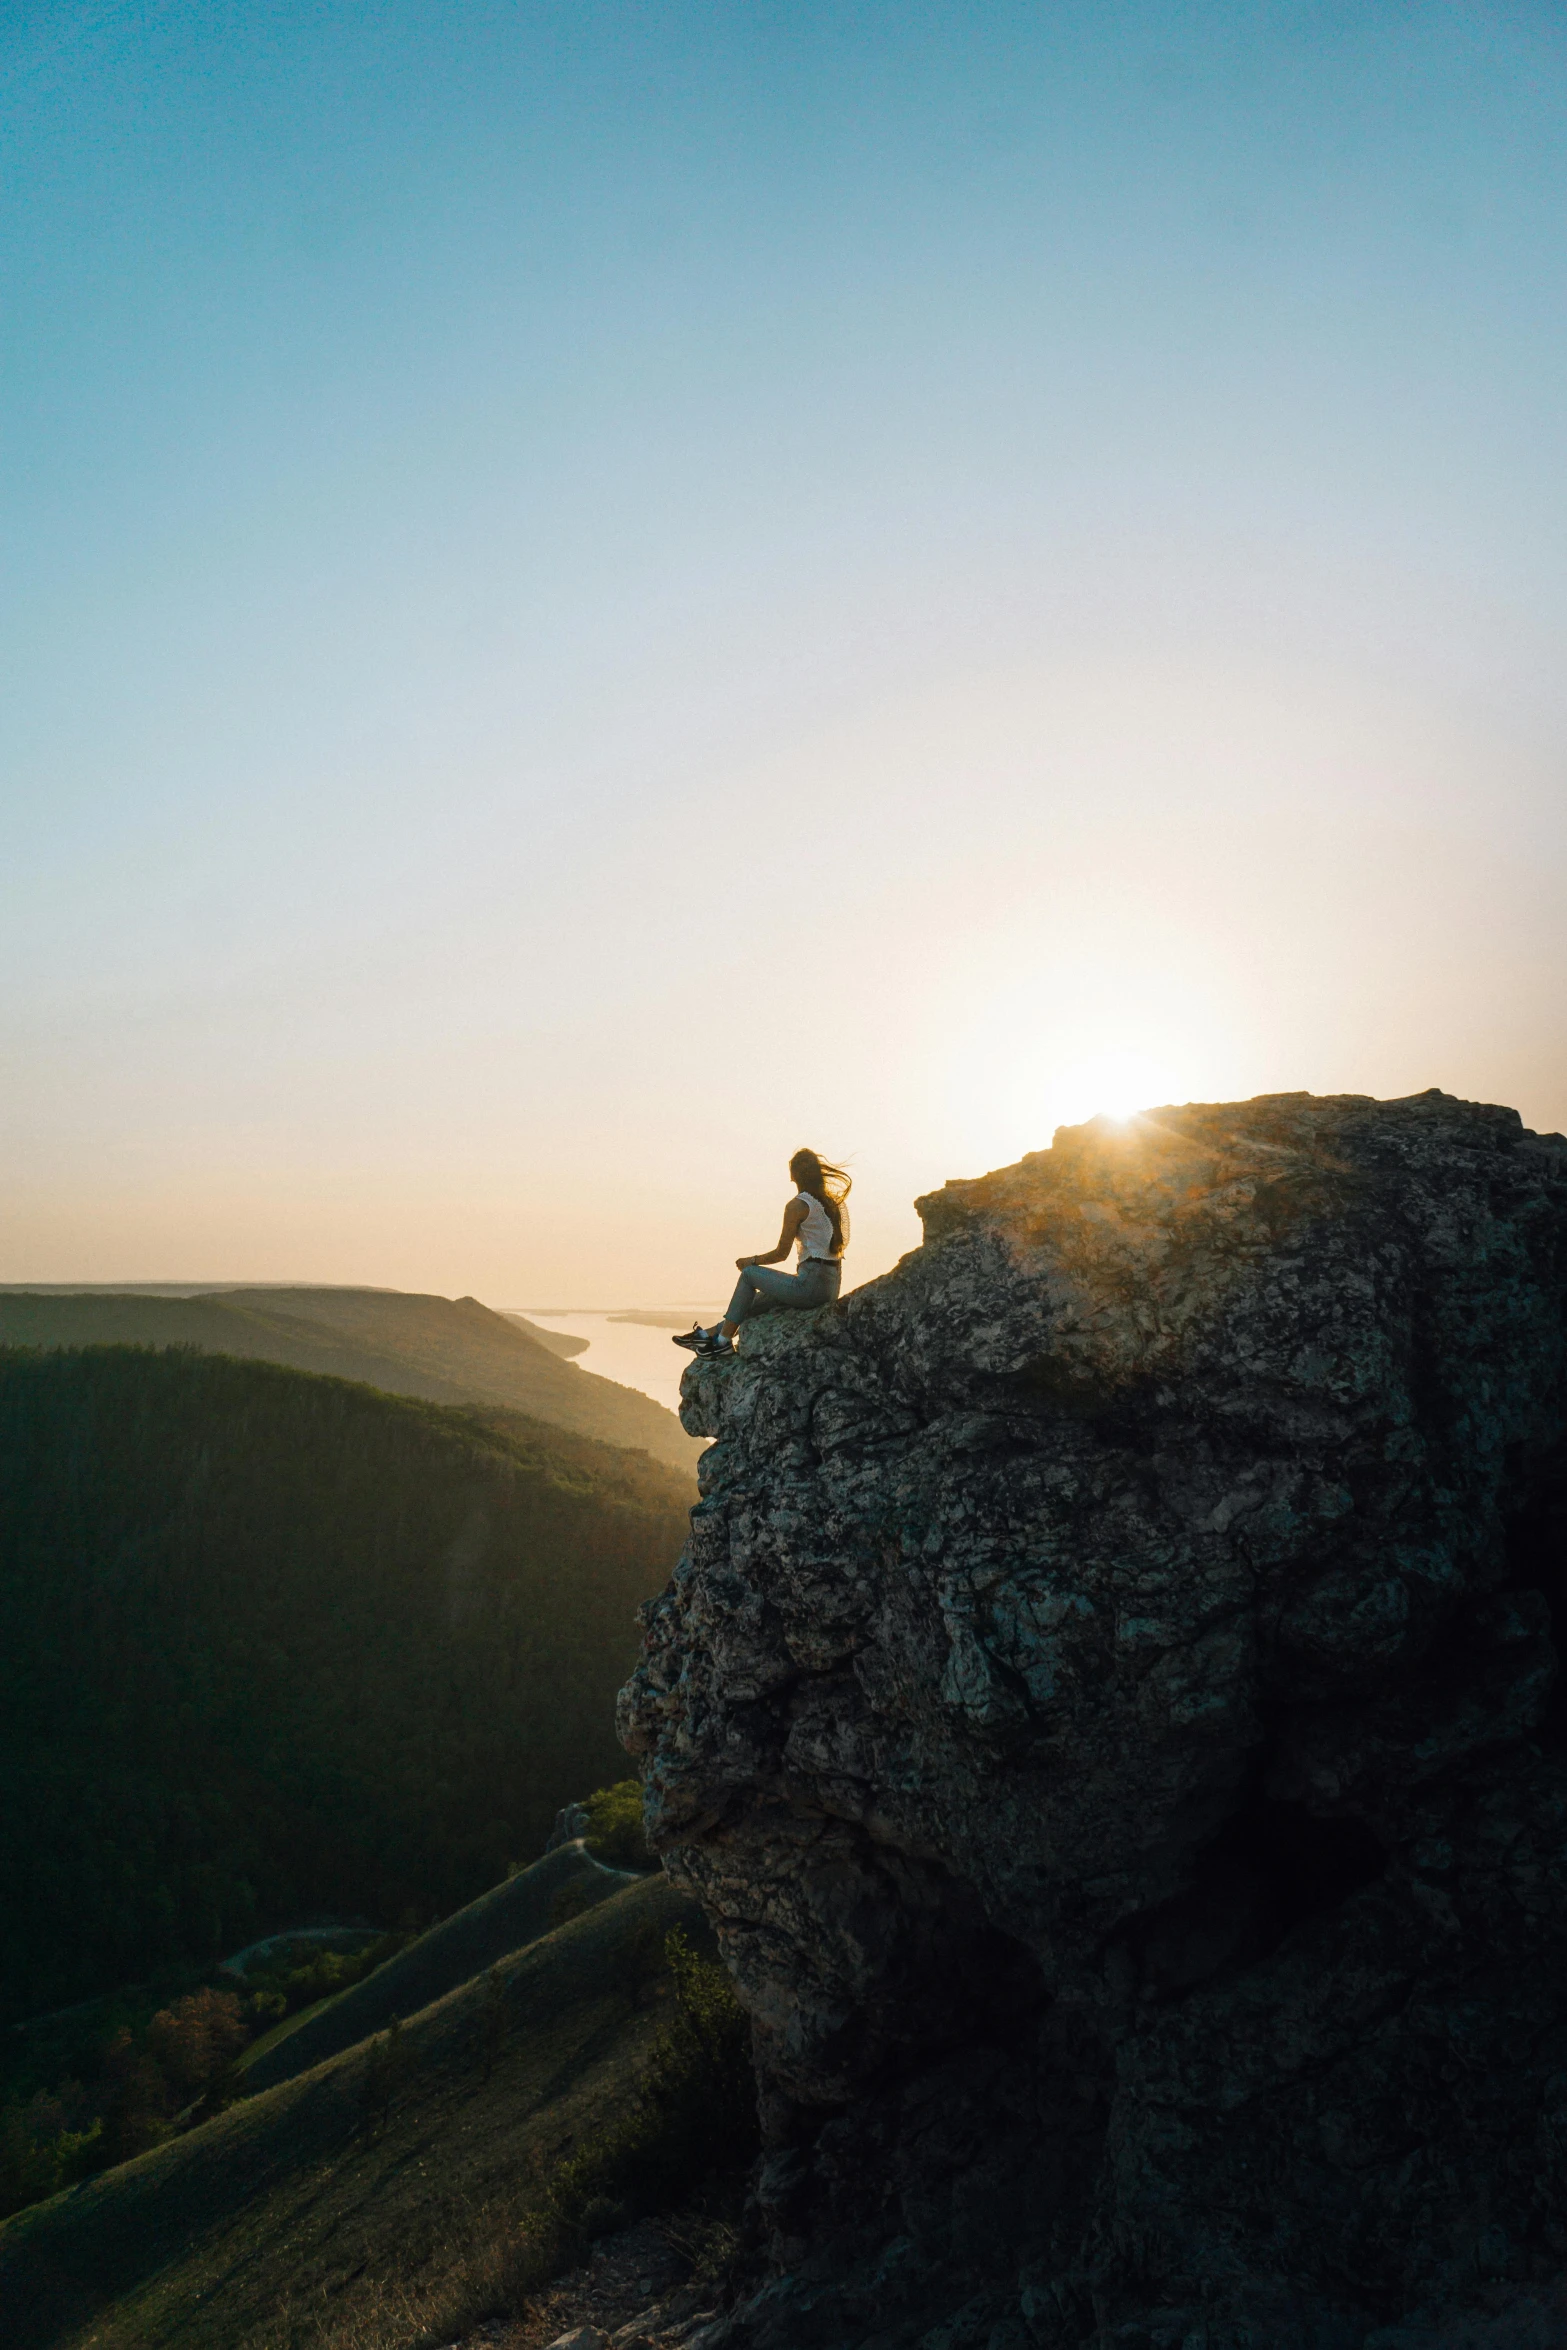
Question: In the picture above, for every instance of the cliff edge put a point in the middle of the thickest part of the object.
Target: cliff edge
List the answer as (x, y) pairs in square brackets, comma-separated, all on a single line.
[(1107, 1709)]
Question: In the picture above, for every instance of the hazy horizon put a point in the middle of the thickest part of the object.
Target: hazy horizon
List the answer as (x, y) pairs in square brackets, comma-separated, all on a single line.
[(595, 593)]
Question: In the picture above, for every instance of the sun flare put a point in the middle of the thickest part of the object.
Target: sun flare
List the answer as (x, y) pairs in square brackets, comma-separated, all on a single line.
[(1112, 1085), (1011, 1092)]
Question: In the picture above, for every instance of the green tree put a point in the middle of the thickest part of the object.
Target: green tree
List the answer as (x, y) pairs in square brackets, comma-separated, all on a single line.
[(28, 2170), (197, 2038), (135, 2100), (615, 1834)]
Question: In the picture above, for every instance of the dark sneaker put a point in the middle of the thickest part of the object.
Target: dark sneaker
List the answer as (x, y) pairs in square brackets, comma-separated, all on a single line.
[(698, 1340), (717, 1345)]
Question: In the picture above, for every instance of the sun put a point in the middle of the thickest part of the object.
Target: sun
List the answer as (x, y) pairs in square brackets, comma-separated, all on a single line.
[(1111, 1085), (1017, 1062)]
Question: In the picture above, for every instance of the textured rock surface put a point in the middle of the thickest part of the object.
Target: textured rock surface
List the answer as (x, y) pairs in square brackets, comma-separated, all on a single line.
[(1107, 1709)]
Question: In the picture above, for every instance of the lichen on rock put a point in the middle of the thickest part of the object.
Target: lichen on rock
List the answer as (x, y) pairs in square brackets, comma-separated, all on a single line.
[(1106, 1707)]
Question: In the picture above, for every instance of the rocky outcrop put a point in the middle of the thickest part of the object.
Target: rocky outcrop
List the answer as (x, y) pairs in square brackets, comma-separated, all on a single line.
[(572, 1822), (1107, 1708)]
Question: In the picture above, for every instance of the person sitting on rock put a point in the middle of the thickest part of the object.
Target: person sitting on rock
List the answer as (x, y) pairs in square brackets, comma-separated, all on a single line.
[(816, 1222)]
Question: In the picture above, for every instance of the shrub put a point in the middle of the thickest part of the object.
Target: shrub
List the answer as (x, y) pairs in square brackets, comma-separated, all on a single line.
[(694, 2125), (197, 2038), (615, 1833), (48, 2143), (299, 1976), (28, 2170), (135, 2101)]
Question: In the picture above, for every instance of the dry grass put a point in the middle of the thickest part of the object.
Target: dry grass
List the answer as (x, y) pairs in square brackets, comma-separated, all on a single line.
[(694, 2105), (496, 2263)]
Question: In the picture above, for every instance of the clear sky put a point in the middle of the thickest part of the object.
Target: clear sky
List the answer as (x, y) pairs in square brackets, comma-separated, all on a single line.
[(593, 592)]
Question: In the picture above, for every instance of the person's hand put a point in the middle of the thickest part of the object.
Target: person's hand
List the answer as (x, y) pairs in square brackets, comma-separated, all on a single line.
[(742, 1264)]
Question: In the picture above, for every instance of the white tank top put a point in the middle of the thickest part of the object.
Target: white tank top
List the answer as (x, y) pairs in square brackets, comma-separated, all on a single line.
[(815, 1234)]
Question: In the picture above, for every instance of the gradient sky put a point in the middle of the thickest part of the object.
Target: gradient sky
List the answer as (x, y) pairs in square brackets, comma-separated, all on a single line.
[(591, 593)]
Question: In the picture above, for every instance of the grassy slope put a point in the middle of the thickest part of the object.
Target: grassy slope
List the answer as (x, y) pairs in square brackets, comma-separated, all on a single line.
[(507, 1918), (284, 2214), (445, 1350)]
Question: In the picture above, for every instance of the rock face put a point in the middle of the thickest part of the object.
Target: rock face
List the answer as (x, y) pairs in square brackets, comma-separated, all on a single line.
[(1107, 1709), (571, 1822)]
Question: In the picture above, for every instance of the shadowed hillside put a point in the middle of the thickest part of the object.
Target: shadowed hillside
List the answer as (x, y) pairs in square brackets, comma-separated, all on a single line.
[(334, 2192), (272, 1644), (445, 1350)]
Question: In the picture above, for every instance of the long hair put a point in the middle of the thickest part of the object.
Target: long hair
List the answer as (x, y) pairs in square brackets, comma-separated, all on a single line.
[(829, 1184)]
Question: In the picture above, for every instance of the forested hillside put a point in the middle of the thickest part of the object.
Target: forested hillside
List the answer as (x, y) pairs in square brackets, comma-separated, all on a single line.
[(448, 1350), (272, 1644)]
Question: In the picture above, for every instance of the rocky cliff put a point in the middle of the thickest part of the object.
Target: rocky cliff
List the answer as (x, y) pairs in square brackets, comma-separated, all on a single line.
[(1107, 1708)]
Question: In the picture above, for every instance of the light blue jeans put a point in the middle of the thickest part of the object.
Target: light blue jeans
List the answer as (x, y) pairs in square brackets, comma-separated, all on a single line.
[(761, 1286)]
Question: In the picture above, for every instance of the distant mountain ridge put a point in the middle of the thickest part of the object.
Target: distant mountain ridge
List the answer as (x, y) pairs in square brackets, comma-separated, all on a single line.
[(452, 1351)]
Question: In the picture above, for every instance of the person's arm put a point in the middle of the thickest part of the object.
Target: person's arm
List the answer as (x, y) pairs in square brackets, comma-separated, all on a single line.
[(793, 1218)]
